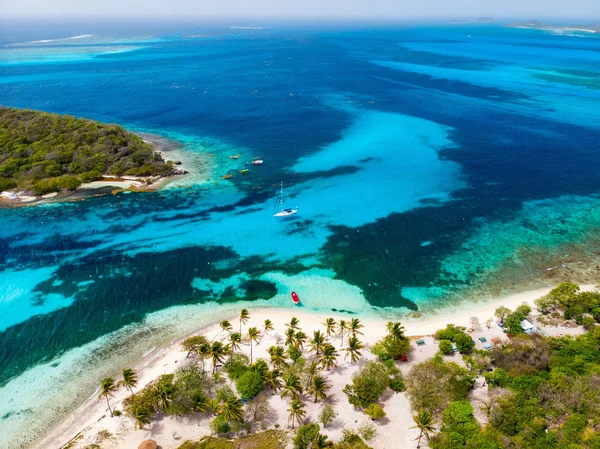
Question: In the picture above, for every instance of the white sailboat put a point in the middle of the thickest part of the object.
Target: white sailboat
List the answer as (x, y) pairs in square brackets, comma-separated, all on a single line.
[(285, 212)]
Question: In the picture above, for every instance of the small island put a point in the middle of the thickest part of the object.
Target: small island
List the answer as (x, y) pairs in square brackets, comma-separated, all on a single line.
[(42, 154)]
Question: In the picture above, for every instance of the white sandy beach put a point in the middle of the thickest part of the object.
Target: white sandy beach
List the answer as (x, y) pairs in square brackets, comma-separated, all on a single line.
[(393, 432)]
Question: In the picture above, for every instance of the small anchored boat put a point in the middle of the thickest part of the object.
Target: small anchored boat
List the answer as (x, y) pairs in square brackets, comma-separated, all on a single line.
[(245, 170), (285, 212), (257, 162), (295, 298)]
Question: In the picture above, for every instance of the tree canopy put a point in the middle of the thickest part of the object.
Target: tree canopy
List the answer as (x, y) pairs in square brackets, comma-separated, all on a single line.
[(47, 152)]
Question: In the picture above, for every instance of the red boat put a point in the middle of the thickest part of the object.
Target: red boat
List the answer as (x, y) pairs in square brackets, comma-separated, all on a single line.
[(295, 298)]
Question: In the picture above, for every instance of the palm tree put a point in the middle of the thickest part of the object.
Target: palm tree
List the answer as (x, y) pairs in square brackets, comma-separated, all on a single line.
[(320, 442), (329, 356), (253, 335), (107, 388), (293, 324), (291, 386), (300, 339), (142, 417), (318, 388), (395, 330), (130, 380), (354, 327), (218, 351), (353, 349), (272, 380), (310, 371), (244, 317), (225, 326), (290, 337), (330, 327), (278, 356), (204, 352), (296, 411), (424, 422), (343, 327), (268, 326), (164, 391), (234, 341), (231, 409), (317, 342)]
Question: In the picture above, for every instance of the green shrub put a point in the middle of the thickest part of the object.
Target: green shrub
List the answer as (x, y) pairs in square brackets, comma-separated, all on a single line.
[(237, 365), (375, 411), (249, 384), (90, 176), (367, 430), (7, 184), (368, 385), (446, 347), (327, 415), (306, 435), (397, 385), (220, 426)]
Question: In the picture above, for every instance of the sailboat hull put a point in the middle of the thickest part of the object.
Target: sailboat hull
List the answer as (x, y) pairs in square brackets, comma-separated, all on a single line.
[(286, 213)]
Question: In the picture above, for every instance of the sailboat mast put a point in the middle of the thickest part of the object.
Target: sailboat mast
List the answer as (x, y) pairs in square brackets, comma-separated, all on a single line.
[(281, 194)]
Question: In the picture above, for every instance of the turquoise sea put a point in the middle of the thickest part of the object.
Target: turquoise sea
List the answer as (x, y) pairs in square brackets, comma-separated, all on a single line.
[(431, 164)]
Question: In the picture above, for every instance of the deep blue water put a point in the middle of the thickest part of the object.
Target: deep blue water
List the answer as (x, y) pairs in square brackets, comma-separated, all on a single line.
[(426, 160)]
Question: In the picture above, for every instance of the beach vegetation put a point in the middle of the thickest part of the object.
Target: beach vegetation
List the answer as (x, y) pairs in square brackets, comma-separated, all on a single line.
[(425, 423), (350, 440), (433, 384), (306, 436), (267, 327), (269, 439), (309, 371), (328, 358), (501, 313), (296, 411), (446, 347), (294, 353), (367, 385), (318, 388), (317, 342), (355, 346), (293, 324), (367, 431), (218, 352), (108, 386), (235, 339), (257, 410), (394, 345), (46, 152), (253, 336), (300, 340), (278, 356), (130, 379), (249, 384), (244, 317), (327, 415), (192, 344), (330, 327), (355, 326), (342, 329), (291, 386), (375, 411), (272, 379), (457, 335)]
